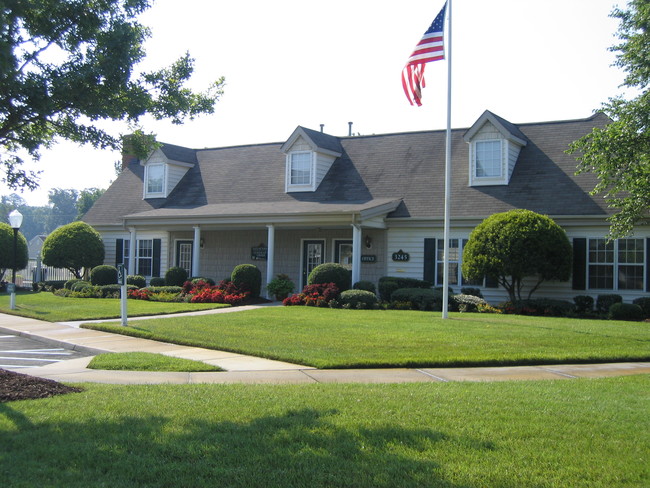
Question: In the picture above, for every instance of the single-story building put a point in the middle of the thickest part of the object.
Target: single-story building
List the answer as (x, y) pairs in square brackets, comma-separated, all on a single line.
[(372, 203)]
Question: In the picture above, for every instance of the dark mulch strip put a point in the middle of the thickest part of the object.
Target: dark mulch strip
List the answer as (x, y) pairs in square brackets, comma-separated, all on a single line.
[(17, 386)]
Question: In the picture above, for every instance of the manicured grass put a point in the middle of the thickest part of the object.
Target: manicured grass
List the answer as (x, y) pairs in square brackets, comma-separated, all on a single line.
[(327, 338), (146, 361), (546, 434), (46, 306)]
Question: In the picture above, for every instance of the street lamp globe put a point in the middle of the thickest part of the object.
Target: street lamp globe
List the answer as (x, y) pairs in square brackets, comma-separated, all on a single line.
[(15, 219)]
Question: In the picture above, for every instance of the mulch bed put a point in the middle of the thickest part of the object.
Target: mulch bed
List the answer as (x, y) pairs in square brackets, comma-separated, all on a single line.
[(17, 386)]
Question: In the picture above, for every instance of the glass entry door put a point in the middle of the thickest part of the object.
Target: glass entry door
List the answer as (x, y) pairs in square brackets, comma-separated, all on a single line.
[(184, 255), (313, 254)]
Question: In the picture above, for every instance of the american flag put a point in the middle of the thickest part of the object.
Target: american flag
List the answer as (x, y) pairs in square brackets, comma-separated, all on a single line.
[(430, 48)]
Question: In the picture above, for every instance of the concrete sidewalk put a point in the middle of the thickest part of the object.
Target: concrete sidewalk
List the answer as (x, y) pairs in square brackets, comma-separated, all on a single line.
[(248, 369)]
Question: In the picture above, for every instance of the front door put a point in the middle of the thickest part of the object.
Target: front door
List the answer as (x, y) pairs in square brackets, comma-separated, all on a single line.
[(184, 255), (313, 254)]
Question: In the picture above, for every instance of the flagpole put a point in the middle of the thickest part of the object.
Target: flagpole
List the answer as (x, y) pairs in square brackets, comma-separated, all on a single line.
[(445, 276)]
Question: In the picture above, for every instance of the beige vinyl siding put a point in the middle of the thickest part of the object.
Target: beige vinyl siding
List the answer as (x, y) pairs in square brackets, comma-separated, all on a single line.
[(174, 175)]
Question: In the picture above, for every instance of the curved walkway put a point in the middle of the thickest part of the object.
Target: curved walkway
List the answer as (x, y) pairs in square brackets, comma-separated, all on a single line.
[(248, 369)]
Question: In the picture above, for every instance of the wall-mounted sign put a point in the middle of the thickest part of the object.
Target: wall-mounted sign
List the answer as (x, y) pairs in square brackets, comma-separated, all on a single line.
[(401, 256), (259, 253), (368, 258)]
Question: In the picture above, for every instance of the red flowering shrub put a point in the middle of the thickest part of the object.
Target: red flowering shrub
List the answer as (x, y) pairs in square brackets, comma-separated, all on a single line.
[(224, 292), (139, 294), (318, 295)]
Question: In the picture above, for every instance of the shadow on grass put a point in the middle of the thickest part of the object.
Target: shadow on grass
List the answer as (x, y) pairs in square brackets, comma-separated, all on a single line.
[(302, 448)]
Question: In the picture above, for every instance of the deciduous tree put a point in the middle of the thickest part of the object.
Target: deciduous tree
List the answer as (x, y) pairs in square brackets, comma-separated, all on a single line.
[(619, 154), (514, 245), (74, 246), (68, 65), (7, 249)]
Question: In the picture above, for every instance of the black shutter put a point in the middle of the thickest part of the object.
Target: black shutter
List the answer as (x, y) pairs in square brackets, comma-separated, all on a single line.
[(155, 269), (429, 271), (579, 263), (119, 251), (647, 265)]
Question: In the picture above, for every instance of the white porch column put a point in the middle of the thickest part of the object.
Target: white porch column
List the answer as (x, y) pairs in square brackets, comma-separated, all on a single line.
[(196, 251), (356, 253), (132, 250), (270, 258)]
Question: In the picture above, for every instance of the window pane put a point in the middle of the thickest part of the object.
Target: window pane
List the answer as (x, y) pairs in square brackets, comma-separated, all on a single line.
[(630, 277), (488, 159), (126, 253), (155, 175), (601, 276), (301, 168), (145, 257), (454, 264), (630, 251)]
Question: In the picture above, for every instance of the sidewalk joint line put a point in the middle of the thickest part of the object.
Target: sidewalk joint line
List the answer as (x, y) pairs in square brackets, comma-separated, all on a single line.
[(432, 376)]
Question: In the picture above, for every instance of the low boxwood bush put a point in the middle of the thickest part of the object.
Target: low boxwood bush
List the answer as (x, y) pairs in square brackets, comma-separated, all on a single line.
[(331, 273), (388, 284), (540, 306), (625, 311), (114, 291), (70, 282), (103, 275), (422, 299), (365, 285), (468, 303), (175, 276), (604, 302), (80, 285), (358, 299), (247, 277), (156, 281), (644, 303), (583, 303), (51, 285), (140, 281), (164, 289)]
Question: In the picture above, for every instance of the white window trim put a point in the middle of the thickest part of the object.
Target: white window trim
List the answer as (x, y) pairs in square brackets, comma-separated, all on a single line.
[(312, 173), (161, 194), (502, 179), (615, 264)]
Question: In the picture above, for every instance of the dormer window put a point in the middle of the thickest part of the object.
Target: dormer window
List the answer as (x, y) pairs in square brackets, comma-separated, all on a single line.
[(494, 147), (488, 161), (155, 180), (300, 168)]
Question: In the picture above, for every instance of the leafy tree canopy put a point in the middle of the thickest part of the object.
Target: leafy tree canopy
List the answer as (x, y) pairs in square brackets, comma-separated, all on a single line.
[(73, 246), (514, 245), (7, 249), (619, 154), (67, 65)]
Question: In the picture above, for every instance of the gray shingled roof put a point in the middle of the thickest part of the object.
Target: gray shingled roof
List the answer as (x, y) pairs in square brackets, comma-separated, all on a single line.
[(406, 166), (179, 153)]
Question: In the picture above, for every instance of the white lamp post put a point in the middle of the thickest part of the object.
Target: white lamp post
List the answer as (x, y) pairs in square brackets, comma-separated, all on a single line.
[(15, 221)]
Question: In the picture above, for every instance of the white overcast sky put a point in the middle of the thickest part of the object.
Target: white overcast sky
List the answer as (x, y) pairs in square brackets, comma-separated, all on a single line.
[(305, 62)]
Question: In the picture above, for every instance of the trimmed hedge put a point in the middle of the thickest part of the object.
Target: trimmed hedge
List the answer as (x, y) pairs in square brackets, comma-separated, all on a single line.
[(423, 299), (175, 276), (331, 273), (471, 291), (247, 277), (80, 285), (604, 302), (625, 311), (140, 281), (644, 303), (365, 285), (359, 299), (540, 307), (388, 284), (164, 289), (583, 303), (68, 284), (103, 275)]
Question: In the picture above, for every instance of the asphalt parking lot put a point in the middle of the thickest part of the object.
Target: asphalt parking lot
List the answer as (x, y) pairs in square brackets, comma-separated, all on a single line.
[(18, 352)]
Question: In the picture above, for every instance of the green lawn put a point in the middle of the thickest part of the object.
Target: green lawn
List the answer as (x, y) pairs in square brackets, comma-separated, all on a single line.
[(327, 338), (146, 361), (546, 434), (46, 306)]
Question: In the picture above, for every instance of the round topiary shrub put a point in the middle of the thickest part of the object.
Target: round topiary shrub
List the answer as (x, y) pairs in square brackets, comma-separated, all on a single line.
[(330, 273), (365, 285), (103, 275), (248, 278), (625, 311), (644, 303), (175, 276), (155, 281), (138, 280), (584, 303), (70, 282), (605, 302), (359, 299), (80, 285)]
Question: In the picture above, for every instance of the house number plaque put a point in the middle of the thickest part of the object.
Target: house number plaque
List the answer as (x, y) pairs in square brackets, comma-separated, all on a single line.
[(401, 256)]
